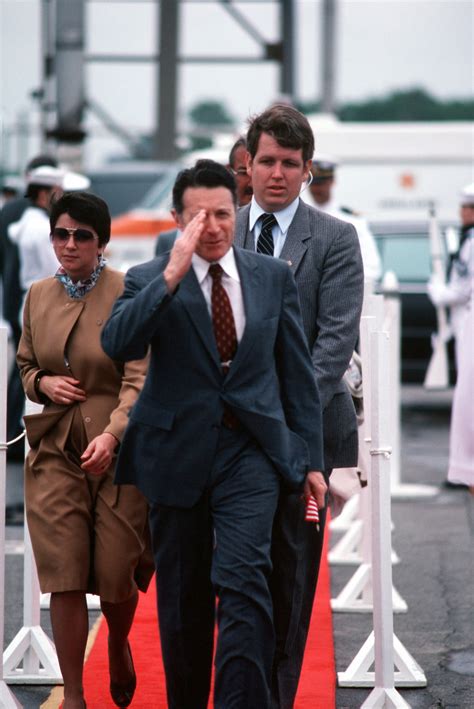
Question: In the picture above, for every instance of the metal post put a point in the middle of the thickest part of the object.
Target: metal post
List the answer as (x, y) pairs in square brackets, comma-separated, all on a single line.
[(328, 56), (48, 92), (7, 699), (392, 323), (287, 34), (382, 647), (164, 144), (31, 656)]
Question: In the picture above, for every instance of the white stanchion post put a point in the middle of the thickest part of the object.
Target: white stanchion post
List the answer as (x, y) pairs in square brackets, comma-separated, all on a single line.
[(348, 550), (351, 510), (382, 647), (357, 594), (7, 699), (392, 323), (31, 656)]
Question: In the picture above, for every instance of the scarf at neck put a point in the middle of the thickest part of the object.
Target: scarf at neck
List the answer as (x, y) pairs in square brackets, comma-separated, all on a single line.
[(80, 288)]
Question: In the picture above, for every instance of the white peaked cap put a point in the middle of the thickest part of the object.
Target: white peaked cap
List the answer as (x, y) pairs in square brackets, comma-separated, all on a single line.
[(467, 194), (74, 182), (46, 176)]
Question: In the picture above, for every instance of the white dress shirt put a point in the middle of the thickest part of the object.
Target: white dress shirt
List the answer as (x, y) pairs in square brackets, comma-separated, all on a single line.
[(284, 218), (231, 283)]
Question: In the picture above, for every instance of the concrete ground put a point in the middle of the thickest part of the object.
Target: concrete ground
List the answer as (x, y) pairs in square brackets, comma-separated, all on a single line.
[(435, 576)]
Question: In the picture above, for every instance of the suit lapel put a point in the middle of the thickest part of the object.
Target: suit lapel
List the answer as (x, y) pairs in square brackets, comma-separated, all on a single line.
[(295, 245), (190, 295), (296, 242), (243, 237), (249, 282)]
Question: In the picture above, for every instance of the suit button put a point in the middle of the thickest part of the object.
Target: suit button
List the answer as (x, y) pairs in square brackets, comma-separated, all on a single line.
[(215, 427), (87, 419)]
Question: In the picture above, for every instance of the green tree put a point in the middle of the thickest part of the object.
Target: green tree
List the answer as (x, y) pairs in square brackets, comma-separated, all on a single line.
[(413, 104), (211, 114)]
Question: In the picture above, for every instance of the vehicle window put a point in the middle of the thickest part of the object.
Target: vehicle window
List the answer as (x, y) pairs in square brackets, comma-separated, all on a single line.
[(408, 256), (126, 191), (159, 195)]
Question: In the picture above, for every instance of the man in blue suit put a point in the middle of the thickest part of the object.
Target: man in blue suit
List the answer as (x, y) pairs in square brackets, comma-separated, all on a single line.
[(213, 435)]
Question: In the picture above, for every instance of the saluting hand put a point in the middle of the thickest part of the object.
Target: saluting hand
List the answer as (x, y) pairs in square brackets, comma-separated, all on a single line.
[(182, 251)]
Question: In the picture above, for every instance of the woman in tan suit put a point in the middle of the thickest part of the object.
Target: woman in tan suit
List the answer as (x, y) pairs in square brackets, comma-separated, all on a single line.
[(88, 535)]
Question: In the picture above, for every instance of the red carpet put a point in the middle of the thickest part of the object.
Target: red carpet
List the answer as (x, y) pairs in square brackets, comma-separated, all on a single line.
[(317, 685)]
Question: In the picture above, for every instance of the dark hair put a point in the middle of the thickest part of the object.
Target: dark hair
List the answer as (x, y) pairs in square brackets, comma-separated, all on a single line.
[(40, 161), (239, 143), (286, 125), (205, 173), (33, 190), (86, 208)]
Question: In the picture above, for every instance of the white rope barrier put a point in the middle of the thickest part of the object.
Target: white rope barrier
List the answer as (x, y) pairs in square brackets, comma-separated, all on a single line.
[(7, 699), (31, 656)]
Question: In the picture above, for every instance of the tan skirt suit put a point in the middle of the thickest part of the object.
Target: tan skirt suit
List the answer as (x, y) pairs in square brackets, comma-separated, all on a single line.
[(87, 533)]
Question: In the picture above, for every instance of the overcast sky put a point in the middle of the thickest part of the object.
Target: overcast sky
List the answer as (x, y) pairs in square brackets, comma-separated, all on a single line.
[(382, 45)]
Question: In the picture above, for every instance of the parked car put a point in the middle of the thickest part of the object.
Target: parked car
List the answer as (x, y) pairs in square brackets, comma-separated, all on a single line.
[(404, 249), (123, 185), (131, 190)]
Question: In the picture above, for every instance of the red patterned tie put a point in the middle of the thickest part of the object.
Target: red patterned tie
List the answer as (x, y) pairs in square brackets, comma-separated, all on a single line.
[(224, 330), (222, 318)]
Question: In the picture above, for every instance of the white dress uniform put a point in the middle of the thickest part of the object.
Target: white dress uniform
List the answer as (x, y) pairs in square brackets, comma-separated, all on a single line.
[(461, 441), (368, 247), (37, 257), (458, 294)]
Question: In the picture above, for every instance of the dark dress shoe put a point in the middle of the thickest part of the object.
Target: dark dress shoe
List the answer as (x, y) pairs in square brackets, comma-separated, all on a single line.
[(454, 486), (122, 693)]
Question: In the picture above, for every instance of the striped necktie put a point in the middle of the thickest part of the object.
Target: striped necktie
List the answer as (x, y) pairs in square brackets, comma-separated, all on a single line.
[(265, 239)]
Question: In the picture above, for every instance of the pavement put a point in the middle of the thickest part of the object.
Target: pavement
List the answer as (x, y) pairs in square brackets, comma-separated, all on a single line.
[(433, 538)]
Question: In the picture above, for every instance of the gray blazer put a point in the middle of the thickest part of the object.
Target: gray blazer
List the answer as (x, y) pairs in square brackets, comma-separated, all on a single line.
[(324, 254)]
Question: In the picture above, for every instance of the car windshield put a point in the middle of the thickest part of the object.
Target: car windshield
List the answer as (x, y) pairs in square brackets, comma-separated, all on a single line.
[(408, 255), (159, 195), (127, 187)]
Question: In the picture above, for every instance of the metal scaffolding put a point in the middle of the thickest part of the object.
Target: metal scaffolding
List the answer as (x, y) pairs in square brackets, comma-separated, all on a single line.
[(63, 39)]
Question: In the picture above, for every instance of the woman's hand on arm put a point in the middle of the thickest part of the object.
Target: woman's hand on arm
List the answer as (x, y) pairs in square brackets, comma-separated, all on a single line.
[(61, 389), (99, 454)]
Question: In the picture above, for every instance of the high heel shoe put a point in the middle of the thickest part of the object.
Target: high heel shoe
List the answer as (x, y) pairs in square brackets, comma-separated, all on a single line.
[(122, 693)]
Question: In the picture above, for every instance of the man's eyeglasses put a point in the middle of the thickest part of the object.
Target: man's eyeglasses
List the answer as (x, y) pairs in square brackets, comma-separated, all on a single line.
[(241, 172), (61, 235)]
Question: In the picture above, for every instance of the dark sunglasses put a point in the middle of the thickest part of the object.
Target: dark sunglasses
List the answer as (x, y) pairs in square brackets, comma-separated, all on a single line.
[(61, 235)]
